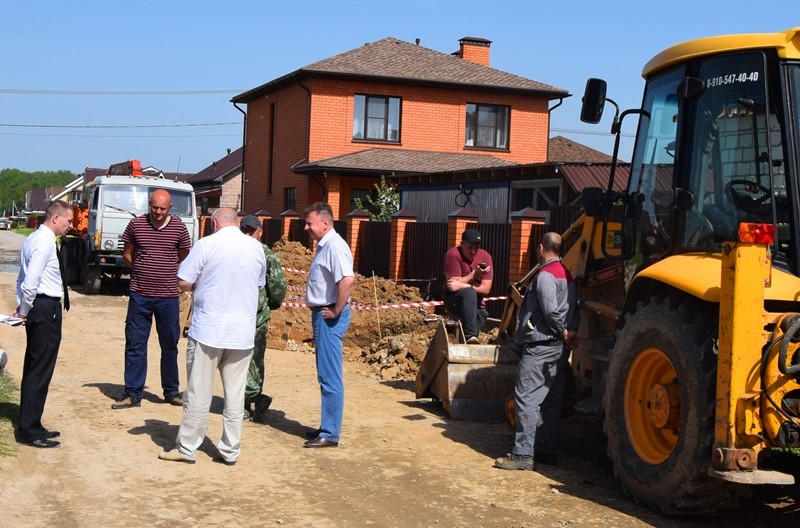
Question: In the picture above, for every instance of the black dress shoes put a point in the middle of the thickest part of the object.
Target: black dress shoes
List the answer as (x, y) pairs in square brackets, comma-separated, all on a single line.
[(320, 442), (43, 443), (51, 434)]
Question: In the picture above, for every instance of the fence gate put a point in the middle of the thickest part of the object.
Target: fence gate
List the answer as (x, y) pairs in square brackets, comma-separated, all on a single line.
[(424, 247), (374, 241)]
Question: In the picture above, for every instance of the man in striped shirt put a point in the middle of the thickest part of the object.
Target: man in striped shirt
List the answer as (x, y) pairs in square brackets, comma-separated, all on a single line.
[(155, 244)]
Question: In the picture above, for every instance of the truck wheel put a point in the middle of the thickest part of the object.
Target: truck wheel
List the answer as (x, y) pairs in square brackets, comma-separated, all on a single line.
[(91, 280), (659, 407)]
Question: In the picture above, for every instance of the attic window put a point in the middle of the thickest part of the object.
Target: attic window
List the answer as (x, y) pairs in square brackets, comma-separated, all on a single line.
[(487, 126), (376, 118)]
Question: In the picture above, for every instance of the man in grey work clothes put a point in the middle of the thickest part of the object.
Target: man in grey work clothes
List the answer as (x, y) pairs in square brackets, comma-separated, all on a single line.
[(546, 330)]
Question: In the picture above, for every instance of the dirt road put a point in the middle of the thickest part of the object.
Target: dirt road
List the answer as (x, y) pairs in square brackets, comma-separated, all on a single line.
[(401, 461)]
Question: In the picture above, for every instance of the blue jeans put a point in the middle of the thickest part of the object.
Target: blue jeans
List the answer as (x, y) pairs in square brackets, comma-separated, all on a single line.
[(138, 322), (328, 339)]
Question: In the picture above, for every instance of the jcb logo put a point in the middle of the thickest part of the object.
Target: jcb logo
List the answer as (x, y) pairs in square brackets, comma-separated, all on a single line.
[(613, 239)]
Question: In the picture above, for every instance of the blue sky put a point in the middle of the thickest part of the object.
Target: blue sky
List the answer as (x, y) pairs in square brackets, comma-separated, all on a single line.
[(151, 58)]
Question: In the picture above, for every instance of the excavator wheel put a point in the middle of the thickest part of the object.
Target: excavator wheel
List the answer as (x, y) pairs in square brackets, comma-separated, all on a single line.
[(659, 407)]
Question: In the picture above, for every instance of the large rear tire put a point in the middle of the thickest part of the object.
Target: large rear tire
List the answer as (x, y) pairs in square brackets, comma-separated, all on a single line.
[(659, 407), (92, 277)]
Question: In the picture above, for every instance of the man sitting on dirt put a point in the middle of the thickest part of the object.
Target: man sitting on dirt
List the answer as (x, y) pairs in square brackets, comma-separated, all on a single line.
[(468, 277)]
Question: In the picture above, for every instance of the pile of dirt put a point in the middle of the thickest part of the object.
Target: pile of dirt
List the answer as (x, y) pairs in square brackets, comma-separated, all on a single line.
[(391, 341)]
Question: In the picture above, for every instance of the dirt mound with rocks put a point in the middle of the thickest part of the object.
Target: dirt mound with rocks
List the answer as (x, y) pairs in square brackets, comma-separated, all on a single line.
[(391, 341)]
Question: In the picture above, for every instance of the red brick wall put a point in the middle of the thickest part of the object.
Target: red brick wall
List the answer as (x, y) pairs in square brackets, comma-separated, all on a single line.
[(432, 120), (289, 148), (476, 53)]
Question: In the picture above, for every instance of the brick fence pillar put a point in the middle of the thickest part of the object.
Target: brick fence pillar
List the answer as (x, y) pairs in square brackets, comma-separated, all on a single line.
[(521, 255), (263, 216), (456, 224), (398, 232), (354, 221)]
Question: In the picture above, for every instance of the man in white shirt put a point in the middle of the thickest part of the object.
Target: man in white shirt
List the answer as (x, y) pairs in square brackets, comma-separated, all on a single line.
[(330, 280), (40, 286), (225, 270)]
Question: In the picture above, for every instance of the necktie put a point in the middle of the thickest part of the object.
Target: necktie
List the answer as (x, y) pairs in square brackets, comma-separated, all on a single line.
[(63, 278)]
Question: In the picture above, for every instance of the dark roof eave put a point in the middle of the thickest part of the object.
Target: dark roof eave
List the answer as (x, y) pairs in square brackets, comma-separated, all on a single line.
[(302, 74), (346, 171)]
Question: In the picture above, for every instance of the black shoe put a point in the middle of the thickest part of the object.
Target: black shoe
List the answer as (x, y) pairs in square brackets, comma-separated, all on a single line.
[(262, 403), (220, 460), (51, 434), (320, 442), (43, 443)]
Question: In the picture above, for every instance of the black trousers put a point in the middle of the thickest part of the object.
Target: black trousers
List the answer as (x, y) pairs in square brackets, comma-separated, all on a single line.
[(43, 331)]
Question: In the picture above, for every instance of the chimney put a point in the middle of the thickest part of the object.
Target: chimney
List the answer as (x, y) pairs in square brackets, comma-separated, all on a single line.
[(475, 49)]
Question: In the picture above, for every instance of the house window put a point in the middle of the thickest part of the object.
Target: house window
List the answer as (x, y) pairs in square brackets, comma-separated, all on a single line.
[(376, 118), (487, 126), (290, 198)]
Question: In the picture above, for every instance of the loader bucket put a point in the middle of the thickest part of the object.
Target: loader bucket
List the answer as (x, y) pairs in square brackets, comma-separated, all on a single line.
[(471, 381)]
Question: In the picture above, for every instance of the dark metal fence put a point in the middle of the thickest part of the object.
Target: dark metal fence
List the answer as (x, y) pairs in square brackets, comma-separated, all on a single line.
[(297, 232), (341, 227), (374, 241), (273, 228), (563, 216), (424, 247)]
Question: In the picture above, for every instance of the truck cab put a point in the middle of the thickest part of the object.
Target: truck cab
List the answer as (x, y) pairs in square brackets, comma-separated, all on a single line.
[(110, 203)]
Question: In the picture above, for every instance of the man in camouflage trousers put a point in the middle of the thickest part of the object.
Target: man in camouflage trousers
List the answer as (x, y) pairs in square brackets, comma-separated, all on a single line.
[(271, 294)]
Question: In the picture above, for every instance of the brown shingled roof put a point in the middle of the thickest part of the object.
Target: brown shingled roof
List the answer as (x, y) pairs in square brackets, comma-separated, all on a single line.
[(393, 160), (220, 168), (394, 60), (563, 150)]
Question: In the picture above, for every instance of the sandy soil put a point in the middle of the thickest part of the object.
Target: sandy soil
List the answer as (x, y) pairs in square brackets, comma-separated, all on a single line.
[(402, 462)]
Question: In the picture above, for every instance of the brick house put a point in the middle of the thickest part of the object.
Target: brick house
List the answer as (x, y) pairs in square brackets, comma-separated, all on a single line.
[(220, 184), (329, 130)]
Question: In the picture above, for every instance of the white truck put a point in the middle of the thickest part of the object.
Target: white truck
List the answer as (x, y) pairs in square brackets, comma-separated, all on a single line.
[(92, 250)]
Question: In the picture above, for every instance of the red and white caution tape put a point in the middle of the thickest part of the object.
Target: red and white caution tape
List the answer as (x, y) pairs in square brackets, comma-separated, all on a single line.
[(368, 308)]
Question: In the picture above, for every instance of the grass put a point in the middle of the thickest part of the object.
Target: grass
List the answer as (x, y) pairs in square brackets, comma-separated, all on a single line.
[(24, 230), (9, 410)]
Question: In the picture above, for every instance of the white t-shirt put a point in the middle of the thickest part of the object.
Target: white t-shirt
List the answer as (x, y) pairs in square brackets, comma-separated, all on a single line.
[(227, 268), (332, 262)]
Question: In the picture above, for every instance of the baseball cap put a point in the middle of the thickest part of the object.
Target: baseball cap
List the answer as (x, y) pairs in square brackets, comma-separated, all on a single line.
[(250, 221), (471, 236)]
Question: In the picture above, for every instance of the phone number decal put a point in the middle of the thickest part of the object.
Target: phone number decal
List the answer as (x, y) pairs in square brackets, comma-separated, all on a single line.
[(721, 80)]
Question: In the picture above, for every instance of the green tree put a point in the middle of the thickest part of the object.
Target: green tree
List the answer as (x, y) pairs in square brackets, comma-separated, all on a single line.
[(14, 183), (382, 203)]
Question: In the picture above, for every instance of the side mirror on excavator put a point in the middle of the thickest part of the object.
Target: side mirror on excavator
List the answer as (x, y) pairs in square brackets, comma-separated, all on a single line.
[(594, 99)]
